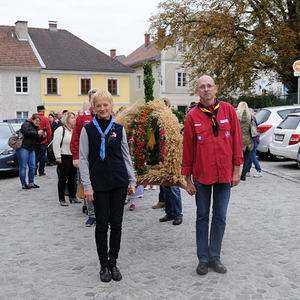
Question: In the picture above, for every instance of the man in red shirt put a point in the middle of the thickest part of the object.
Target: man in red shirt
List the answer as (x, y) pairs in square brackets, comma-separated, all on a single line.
[(212, 155), (83, 119), (41, 148)]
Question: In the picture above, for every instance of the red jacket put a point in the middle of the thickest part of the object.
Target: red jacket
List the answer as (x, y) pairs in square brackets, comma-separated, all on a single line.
[(208, 158), (45, 124), (84, 118)]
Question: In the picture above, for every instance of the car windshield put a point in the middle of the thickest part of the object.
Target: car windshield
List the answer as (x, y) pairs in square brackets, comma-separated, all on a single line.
[(262, 116), (290, 122), (5, 132), (16, 126)]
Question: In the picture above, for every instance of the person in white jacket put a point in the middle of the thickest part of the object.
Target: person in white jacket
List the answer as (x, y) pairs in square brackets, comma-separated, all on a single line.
[(65, 170)]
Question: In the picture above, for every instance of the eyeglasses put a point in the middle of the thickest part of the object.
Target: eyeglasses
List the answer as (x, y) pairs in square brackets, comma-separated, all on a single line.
[(208, 86)]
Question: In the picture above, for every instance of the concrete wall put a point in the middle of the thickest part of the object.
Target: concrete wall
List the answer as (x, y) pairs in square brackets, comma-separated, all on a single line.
[(10, 101)]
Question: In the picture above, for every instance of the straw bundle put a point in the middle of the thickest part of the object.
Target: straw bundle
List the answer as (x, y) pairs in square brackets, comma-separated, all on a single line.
[(168, 173)]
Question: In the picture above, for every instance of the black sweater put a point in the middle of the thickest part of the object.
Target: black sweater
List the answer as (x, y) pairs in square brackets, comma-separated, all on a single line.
[(31, 136)]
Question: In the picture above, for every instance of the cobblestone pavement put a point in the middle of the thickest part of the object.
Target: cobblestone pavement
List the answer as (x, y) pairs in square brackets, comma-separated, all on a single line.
[(47, 252)]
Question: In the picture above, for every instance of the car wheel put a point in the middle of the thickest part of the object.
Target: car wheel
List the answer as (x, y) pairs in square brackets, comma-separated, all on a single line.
[(298, 158)]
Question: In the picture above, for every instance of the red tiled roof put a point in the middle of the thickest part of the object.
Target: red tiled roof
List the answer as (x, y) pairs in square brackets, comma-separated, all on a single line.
[(142, 54), (14, 52)]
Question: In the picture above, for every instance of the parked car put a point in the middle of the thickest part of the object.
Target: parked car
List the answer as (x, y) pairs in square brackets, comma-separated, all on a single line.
[(268, 118), (8, 157), (286, 137), (17, 120), (298, 158)]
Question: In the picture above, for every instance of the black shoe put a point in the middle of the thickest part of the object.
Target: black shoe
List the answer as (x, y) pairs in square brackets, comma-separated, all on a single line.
[(166, 218), (25, 187), (177, 221), (33, 186), (105, 275), (217, 266), (115, 273), (202, 268), (42, 174)]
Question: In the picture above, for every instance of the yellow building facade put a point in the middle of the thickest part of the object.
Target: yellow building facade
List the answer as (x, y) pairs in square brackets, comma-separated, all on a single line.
[(63, 90)]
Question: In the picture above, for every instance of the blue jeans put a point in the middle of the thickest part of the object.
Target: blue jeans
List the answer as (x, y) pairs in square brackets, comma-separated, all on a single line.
[(26, 157), (172, 197), (253, 158), (221, 194)]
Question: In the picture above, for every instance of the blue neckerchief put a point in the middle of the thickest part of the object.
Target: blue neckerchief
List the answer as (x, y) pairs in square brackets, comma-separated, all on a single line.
[(102, 147)]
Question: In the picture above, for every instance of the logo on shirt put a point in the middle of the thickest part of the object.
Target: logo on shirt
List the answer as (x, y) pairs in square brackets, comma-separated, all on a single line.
[(224, 121), (113, 135), (199, 137), (227, 133)]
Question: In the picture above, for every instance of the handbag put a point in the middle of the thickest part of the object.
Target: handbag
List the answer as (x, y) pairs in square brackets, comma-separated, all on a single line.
[(80, 192), (16, 140), (254, 132)]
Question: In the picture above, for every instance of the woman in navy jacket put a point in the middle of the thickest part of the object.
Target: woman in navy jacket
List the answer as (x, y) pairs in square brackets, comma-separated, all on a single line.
[(107, 175)]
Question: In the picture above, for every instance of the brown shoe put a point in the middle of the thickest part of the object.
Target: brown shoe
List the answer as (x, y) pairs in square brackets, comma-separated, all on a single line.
[(158, 205)]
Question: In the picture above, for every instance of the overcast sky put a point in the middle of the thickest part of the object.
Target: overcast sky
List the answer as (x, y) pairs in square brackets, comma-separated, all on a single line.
[(105, 24)]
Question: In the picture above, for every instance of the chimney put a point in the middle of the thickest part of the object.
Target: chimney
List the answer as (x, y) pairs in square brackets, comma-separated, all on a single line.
[(21, 30), (113, 53), (52, 25), (147, 39)]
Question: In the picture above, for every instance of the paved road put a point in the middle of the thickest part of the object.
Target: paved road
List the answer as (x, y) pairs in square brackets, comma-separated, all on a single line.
[(47, 253)]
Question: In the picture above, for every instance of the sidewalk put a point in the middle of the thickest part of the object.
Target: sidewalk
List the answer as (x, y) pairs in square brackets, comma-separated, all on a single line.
[(47, 252)]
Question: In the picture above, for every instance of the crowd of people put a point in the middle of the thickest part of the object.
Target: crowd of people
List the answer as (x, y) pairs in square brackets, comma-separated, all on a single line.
[(91, 150)]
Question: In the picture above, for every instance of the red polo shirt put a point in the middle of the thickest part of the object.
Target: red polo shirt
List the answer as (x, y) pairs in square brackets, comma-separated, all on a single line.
[(208, 158), (84, 118)]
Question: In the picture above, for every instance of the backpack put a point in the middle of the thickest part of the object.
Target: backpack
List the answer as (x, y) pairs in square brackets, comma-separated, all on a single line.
[(16, 140)]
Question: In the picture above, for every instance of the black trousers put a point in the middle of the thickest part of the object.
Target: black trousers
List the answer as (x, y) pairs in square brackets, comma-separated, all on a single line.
[(66, 174), (109, 208), (246, 155)]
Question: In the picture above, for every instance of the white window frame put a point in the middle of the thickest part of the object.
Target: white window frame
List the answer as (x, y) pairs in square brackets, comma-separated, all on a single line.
[(22, 114), (58, 85), (139, 82), (22, 92), (79, 84), (118, 84), (176, 80)]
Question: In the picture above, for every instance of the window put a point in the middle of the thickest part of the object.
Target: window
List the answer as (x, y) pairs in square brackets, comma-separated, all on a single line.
[(22, 114), (85, 85), (52, 86), (138, 82), (112, 86), (21, 84), (181, 79)]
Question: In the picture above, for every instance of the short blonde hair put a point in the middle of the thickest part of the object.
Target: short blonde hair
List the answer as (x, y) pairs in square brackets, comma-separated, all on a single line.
[(66, 117), (92, 92), (102, 94)]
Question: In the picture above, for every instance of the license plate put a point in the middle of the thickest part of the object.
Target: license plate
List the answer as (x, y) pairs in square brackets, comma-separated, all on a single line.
[(279, 137)]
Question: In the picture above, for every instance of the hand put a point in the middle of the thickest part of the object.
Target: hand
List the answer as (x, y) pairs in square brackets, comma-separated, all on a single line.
[(58, 160), (190, 188), (40, 132), (44, 133), (131, 190), (89, 195), (76, 163), (235, 176)]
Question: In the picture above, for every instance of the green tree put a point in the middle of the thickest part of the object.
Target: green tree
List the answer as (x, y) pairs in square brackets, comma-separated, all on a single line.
[(148, 81), (235, 40)]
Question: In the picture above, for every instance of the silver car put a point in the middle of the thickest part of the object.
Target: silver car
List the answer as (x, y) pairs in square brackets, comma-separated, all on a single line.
[(268, 118), (286, 138)]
